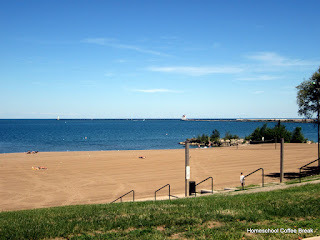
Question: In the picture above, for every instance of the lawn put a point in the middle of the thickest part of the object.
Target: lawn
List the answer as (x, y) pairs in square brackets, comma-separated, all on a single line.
[(210, 217)]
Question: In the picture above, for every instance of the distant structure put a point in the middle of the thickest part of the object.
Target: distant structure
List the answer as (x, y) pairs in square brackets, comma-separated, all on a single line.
[(58, 118), (184, 118)]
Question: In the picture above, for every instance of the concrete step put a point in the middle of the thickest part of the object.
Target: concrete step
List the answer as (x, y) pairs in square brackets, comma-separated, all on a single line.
[(206, 191)]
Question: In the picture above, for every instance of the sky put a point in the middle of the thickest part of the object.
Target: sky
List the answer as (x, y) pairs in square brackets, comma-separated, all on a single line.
[(155, 59)]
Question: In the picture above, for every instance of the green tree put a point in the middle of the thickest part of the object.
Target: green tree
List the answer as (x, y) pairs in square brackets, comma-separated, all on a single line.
[(256, 135), (227, 136), (280, 131), (215, 137), (307, 96), (297, 136)]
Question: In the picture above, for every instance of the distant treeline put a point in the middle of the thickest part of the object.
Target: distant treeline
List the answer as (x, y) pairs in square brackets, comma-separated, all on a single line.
[(279, 131), (212, 140), (259, 134)]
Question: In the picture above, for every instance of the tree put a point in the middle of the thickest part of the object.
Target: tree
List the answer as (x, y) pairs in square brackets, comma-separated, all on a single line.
[(297, 136), (280, 131), (307, 96), (215, 137)]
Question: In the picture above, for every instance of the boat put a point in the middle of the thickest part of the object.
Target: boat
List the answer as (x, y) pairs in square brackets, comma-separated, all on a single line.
[(184, 117), (58, 118)]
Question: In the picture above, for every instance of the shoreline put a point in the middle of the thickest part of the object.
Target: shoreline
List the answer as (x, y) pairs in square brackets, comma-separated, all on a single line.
[(84, 151)]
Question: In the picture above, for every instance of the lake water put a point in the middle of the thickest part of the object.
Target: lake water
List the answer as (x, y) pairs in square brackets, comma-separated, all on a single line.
[(96, 135)]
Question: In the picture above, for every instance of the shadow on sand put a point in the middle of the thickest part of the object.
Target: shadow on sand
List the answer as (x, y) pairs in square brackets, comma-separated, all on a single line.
[(307, 171)]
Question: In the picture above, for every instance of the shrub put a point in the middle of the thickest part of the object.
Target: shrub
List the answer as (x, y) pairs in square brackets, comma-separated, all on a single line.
[(297, 136)]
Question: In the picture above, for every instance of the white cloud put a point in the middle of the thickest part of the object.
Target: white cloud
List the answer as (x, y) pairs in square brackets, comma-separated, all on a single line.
[(108, 75), (259, 78), (197, 71), (157, 90), (115, 44), (121, 61), (274, 59)]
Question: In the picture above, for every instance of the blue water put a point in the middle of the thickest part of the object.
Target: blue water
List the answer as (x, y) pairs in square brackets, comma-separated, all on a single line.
[(96, 135)]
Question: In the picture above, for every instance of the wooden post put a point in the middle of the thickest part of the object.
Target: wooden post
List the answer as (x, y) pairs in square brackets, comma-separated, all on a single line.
[(187, 169), (281, 160)]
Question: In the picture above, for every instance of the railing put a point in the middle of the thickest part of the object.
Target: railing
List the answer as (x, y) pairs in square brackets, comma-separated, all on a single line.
[(257, 171), (124, 195), (305, 166), (155, 193), (204, 181)]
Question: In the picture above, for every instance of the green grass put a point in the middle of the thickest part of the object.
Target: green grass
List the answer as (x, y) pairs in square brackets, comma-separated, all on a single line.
[(247, 187), (304, 179), (211, 217)]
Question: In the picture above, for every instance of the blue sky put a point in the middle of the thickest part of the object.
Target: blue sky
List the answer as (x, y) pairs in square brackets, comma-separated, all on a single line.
[(155, 59)]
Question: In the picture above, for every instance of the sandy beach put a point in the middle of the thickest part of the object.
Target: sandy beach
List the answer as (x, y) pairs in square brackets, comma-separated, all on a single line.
[(100, 177)]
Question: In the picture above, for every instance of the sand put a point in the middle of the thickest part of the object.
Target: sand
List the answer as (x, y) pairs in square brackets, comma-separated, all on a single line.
[(102, 176)]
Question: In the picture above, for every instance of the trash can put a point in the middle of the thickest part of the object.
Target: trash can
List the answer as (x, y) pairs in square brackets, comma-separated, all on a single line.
[(192, 187)]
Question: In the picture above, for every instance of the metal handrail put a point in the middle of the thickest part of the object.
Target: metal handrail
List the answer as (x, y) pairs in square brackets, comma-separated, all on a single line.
[(123, 196), (155, 193), (256, 171), (204, 181), (303, 167)]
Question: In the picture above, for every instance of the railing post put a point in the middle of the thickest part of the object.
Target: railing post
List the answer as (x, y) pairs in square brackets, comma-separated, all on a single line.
[(211, 185), (262, 177), (133, 195), (155, 193), (300, 175)]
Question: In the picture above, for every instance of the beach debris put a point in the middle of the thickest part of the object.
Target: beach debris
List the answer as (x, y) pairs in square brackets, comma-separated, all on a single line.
[(33, 152), (39, 168), (143, 157)]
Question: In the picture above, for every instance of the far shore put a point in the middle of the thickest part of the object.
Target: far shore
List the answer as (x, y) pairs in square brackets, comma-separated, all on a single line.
[(69, 178)]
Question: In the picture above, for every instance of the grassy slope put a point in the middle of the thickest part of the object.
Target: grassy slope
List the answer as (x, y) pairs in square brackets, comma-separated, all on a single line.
[(215, 217)]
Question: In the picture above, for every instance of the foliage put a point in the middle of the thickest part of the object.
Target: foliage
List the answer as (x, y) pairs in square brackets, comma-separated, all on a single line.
[(279, 131), (229, 136), (307, 96), (204, 139), (212, 217), (297, 136), (215, 137)]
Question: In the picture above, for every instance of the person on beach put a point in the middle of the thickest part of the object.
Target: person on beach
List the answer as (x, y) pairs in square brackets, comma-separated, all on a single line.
[(242, 180)]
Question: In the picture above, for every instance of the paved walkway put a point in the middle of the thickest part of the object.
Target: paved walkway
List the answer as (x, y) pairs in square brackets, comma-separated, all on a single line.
[(272, 188)]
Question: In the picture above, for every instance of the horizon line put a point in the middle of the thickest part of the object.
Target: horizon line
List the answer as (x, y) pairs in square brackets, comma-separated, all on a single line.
[(141, 118)]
